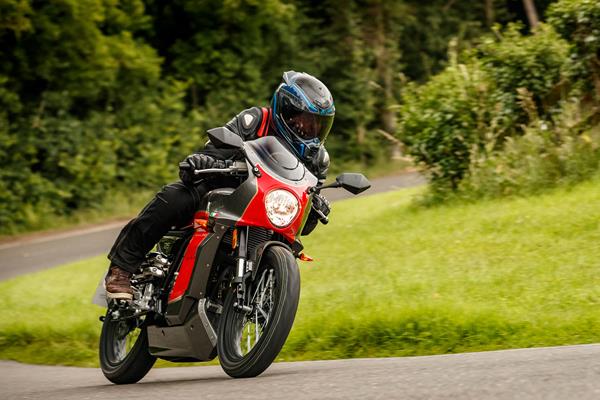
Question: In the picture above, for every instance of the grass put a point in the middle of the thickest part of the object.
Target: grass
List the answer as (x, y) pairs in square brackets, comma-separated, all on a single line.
[(389, 279)]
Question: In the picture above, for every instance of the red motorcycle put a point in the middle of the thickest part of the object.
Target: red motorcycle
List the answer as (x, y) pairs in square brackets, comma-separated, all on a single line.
[(228, 284)]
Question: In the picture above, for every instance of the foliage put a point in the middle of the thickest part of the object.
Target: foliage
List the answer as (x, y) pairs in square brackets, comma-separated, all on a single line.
[(83, 109), (414, 281), (476, 103), (528, 119), (518, 63), (540, 159), (442, 119), (102, 96), (232, 52), (578, 21)]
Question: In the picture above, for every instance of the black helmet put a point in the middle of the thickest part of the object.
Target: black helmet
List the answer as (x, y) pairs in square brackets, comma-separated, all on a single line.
[(303, 112)]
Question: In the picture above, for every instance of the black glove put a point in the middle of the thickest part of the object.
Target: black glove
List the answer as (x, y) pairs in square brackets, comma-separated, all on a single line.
[(320, 203), (200, 161), (320, 211), (197, 162)]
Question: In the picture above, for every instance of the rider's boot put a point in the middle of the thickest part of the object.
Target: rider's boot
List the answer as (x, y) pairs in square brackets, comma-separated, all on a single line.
[(118, 284)]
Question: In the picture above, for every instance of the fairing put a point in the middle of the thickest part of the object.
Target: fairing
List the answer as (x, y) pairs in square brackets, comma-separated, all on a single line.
[(277, 168)]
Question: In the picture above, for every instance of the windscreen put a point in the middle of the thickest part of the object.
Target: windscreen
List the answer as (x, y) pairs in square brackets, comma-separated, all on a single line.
[(273, 155)]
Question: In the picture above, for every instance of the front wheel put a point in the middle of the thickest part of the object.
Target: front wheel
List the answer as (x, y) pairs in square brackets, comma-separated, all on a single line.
[(249, 341), (124, 356)]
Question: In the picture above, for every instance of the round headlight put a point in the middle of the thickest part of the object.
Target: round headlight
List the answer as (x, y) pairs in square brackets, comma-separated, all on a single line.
[(282, 207)]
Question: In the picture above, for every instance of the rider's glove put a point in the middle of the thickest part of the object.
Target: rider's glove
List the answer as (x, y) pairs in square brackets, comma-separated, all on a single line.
[(321, 209), (321, 204), (198, 162)]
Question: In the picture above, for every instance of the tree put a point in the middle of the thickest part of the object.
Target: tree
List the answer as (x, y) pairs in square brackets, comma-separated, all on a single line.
[(232, 52), (532, 15), (83, 108)]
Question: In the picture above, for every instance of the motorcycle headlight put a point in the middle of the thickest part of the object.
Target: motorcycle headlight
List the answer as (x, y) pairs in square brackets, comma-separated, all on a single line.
[(282, 207)]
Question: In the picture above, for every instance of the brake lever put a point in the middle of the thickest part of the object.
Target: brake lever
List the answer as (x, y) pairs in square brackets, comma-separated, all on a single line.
[(323, 218)]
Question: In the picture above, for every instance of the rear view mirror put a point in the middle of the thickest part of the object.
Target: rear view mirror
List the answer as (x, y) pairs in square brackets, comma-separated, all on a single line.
[(224, 138), (354, 183)]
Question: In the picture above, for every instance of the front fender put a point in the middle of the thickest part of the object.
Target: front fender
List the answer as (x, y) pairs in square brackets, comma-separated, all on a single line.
[(257, 254)]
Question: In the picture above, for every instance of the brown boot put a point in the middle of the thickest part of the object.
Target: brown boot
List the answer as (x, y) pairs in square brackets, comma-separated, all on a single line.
[(118, 284)]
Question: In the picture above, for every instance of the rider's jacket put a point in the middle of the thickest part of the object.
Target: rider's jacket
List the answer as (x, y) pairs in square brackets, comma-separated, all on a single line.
[(257, 122)]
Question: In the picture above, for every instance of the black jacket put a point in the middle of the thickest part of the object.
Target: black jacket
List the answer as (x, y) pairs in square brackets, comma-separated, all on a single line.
[(256, 122)]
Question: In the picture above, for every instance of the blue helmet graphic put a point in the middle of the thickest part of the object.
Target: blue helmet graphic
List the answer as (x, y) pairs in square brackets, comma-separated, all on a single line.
[(303, 112)]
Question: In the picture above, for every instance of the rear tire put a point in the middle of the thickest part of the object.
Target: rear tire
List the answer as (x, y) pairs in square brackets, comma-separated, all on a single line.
[(122, 368), (285, 296)]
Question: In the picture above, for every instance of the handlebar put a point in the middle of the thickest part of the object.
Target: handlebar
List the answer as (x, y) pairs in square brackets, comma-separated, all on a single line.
[(236, 168)]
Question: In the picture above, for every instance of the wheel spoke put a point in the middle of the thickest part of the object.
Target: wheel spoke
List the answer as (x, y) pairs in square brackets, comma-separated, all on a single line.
[(248, 339), (124, 337), (253, 324), (262, 313), (256, 335)]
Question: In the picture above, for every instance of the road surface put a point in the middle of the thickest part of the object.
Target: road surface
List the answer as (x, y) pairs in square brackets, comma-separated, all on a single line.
[(570, 372), (40, 252)]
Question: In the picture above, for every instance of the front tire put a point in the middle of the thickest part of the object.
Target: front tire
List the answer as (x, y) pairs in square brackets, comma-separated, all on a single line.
[(124, 356), (271, 325)]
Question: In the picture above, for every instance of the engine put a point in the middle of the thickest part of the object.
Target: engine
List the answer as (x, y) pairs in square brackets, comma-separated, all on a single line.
[(148, 283)]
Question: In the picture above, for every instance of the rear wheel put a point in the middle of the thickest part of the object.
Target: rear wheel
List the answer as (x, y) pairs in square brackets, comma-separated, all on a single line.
[(124, 356), (249, 341)]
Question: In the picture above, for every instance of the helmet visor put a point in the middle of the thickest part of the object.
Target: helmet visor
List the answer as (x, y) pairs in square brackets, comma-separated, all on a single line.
[(306, 125)]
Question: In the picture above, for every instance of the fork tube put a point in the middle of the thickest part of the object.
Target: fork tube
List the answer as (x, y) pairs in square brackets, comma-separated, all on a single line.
[(243, 241), (241, 271), (242, 254)]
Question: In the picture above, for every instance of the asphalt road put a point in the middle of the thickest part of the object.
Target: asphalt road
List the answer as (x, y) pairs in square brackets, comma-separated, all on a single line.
[(570, 372), (45, 251)]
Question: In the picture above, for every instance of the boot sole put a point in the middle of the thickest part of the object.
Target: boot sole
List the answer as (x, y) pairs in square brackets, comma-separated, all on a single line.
[(119, 296)]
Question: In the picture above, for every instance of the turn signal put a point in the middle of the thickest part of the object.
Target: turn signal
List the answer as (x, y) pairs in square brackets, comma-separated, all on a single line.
[(304, 257), (234, 239), (200, 223)]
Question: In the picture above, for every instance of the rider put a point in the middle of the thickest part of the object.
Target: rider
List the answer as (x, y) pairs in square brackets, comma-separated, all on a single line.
[(301, 114)]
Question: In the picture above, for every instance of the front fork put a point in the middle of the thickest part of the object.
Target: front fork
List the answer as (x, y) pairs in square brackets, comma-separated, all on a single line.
[(243, 271)]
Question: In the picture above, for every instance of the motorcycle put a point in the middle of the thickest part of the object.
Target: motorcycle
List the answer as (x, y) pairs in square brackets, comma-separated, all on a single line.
[(228, 284)]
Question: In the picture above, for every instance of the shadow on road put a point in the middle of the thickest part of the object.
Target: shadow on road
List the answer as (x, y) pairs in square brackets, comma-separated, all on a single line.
[(215, 379)]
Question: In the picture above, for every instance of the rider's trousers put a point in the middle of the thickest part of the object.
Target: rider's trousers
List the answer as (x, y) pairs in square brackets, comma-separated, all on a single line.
[(173, 206)]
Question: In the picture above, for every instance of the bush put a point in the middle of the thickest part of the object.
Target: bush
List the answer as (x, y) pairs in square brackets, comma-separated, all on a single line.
[(516, 63), (578, 21), (474, 105), (83, 109), (542, 158), (441, 120), (64, 163), (561, 144)]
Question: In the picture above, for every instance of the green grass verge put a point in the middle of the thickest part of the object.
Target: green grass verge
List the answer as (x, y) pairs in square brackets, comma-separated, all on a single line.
[(389, 279)]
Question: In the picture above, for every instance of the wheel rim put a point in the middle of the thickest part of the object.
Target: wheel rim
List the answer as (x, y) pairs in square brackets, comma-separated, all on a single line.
[(124, 335), (251, 326)]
